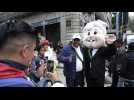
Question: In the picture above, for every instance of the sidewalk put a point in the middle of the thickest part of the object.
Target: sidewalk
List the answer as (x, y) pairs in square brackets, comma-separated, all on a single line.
[(62, 77)]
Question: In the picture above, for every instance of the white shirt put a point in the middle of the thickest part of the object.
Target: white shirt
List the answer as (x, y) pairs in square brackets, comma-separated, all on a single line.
[(79, 65), (49, 54), (94, 52)]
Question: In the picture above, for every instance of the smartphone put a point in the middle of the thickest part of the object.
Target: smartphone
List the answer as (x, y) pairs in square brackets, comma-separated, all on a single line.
[(50, 66)]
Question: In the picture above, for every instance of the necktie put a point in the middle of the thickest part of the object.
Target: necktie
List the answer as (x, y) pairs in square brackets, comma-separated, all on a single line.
[(90, 53)]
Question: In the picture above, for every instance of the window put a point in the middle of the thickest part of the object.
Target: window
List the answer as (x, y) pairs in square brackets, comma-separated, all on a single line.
[(68, 23), (113, 21)]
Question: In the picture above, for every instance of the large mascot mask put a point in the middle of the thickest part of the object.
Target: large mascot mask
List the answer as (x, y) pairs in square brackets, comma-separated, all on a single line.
[(94, 35)]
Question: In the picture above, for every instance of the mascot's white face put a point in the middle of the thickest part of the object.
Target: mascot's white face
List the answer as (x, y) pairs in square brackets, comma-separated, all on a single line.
[(94, 34)]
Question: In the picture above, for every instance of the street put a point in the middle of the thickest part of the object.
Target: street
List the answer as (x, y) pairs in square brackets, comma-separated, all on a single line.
[(62, 78)]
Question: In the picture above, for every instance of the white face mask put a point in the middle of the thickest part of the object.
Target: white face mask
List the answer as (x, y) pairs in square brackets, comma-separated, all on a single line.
[(94, 35)]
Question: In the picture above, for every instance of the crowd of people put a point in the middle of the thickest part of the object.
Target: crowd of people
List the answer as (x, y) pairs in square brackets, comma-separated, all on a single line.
[(23, 61), (29, 60)]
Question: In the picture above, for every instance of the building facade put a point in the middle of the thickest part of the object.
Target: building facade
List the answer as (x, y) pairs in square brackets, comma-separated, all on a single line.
[(120, 23), (58, 26)]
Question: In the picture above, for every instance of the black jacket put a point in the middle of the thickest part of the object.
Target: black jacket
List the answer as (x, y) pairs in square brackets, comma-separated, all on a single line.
[(95, 71), (118, 61), (127, 70)]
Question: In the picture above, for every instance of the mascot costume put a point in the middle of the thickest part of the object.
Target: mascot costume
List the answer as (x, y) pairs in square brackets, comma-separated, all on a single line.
[(98, 46)]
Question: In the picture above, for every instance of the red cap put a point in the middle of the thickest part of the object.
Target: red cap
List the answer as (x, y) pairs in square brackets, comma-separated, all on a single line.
[(45, 42)]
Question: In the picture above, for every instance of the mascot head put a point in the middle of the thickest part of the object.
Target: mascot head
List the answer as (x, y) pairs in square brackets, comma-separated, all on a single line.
[(94, 35)]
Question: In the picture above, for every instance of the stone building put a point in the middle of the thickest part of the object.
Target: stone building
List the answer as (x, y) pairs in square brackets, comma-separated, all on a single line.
[(58, 26)]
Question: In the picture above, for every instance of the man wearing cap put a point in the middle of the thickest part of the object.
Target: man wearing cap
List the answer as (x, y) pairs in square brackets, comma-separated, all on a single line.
[(72, 57)]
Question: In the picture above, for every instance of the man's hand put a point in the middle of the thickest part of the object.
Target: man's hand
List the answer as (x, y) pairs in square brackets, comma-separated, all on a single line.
[(70, 58), (110, 38), (53, 76)]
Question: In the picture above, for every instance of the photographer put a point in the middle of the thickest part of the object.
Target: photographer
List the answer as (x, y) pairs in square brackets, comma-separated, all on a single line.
[(43, 74), (49, 53), (42, 78)]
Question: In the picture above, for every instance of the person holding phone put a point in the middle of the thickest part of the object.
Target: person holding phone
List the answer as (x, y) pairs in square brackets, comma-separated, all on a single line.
[(42, 75), (49, 53)]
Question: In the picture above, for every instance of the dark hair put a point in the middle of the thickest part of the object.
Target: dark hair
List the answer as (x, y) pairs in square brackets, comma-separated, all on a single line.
[(13, 29), (37, 62), (38, 48), (51, 44), (76, 39), (119, 41)]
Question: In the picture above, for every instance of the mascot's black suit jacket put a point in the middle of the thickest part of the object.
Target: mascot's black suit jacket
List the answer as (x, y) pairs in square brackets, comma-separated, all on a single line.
[(95, 66)]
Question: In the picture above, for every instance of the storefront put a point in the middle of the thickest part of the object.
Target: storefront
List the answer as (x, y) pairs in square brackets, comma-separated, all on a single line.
[(49, 29), (60, 26)]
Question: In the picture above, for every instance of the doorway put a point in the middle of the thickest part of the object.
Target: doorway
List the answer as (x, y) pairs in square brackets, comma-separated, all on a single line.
[(53, 33)]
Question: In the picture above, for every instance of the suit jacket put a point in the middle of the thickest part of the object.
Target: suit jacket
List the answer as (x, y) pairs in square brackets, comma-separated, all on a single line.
[(95, 66)]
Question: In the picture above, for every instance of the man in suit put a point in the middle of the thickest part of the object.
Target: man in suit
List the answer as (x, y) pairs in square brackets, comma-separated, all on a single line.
[(95, 65), (98, 47)]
